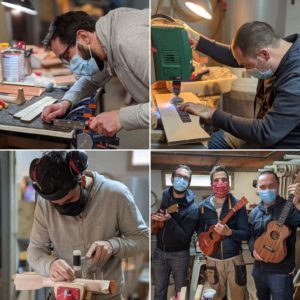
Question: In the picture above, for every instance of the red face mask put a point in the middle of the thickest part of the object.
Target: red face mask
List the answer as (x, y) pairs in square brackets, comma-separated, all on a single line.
[(220, 189)]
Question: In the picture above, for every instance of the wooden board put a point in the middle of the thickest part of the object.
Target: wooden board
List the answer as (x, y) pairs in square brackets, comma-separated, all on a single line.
[(64, 80), (34, 281), (28, 90), (29, 113), (177, 131)]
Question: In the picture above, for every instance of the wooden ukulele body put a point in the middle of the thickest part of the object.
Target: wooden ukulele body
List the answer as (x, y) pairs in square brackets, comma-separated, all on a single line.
[(209, 241), (156, 226), (271, 245)]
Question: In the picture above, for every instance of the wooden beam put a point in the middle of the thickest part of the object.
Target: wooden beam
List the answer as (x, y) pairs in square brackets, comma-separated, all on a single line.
[(199, 291), (28, 90), (34, 281), (178, 130)]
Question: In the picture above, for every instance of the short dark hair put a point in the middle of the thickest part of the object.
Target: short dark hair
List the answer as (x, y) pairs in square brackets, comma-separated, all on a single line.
[(269, 172), (253, 36), (65, 27), (217, 169), (53, 172), (182, 167)]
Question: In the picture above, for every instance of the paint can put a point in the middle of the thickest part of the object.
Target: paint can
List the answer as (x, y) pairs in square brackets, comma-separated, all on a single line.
[(13, 65)]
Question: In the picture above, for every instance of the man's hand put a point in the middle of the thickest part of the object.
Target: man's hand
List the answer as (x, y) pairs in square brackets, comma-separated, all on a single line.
[(107, 123), (295, 189), (256, 256), (53, 111), (100, 251), (160, 217), (223, 229), (61, 271), (200, 110)]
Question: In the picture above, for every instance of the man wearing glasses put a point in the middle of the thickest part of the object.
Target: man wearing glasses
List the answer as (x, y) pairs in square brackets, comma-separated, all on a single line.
[(173, 241), (116, 44)]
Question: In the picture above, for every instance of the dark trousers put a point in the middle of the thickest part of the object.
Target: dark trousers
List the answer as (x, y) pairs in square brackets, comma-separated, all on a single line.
[(163, 263), (279, 286)]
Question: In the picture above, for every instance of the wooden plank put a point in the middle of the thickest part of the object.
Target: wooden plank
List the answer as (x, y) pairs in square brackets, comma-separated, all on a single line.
[(28, 90), (182, 295), (34, 281), (199, 291), (64, 80), (37, 111), (28, 109), (179, 130)]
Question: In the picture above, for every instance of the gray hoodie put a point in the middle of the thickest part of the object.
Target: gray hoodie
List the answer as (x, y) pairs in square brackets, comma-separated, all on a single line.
[(124, 36), (110, 215)]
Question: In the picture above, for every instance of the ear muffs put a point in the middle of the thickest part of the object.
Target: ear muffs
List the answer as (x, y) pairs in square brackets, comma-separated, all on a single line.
[(77, 161), (33, 169)]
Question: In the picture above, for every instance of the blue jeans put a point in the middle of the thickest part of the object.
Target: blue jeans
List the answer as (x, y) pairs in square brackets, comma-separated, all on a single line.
[(163, 263), (279, 286), (217, 141)]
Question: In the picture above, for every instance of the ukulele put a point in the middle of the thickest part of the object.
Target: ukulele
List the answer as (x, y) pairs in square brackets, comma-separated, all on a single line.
[(210, 240), (271, 245), (156, 226)]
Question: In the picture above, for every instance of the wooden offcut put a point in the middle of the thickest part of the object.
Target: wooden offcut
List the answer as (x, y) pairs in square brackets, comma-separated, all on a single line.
[(31, 112), (34, 281), (28, 90), (64, 80), (177, 129)]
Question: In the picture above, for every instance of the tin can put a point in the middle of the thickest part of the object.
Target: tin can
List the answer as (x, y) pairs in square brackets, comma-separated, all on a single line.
[(13, 65)]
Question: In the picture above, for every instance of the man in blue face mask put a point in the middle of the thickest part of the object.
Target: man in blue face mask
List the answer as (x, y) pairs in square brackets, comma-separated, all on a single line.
[(173, 241), (95, 51), (273, 279), (276, 63)]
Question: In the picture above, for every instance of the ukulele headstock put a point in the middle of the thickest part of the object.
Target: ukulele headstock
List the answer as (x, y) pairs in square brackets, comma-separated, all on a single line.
[(172, 209), (241, 203)]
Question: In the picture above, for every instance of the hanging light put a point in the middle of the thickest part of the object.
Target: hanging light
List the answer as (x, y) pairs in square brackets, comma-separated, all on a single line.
[(201, 8), (22, 5)]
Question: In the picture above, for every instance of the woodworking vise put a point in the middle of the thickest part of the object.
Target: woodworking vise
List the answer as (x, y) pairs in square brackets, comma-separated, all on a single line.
[(84, 137), (172, 54)]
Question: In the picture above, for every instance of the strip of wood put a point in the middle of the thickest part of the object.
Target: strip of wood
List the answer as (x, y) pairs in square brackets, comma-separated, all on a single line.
[(177, 132), (37, 111), (30, 108), (28, 90), (34, 281)]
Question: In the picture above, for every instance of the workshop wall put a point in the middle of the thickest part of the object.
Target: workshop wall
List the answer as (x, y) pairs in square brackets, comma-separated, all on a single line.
[(292, 24), (5, 32)]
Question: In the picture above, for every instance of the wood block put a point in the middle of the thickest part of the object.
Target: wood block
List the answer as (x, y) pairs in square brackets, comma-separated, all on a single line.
[(198, 293), (182, 295), (64, 80), (28, 90), (60, 71), (180, 129)]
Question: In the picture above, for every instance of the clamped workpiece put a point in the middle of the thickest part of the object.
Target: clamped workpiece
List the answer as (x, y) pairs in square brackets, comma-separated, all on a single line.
[(84, 137)]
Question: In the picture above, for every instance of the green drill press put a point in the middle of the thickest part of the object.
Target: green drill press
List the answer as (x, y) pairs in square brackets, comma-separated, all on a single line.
[(173, 56)]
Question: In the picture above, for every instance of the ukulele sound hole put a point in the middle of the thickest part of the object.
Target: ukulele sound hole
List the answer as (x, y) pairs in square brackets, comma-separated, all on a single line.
[(274, 235), (211, 235)]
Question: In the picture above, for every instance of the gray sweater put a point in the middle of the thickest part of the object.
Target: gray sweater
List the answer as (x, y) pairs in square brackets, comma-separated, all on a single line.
[(124, 35), (110, 215)]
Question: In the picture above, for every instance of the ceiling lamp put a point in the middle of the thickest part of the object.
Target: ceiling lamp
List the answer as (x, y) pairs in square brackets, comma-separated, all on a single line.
[(22, 5)]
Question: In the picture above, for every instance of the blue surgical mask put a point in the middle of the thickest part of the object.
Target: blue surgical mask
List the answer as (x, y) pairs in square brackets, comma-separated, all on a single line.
[(268, 196), (180, 184), (260, 74), (84, 67)]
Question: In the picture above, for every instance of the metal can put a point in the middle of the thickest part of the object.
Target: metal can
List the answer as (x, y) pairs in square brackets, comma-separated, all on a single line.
[(13, 65)]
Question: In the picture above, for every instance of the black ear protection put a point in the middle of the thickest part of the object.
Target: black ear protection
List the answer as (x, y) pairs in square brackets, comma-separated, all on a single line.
[(77, 162)]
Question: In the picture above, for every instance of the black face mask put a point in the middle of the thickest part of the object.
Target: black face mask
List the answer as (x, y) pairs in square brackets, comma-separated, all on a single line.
[(74, 208)]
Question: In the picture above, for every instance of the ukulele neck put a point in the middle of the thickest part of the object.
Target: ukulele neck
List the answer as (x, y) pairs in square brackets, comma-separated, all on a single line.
[(285, 212)]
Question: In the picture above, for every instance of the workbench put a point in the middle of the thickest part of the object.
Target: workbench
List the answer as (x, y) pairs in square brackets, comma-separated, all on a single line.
[(157, 134), (34, 135)]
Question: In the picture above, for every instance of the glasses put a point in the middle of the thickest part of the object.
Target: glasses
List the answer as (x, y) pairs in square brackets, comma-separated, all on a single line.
[(64, 56), (181, 177)]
